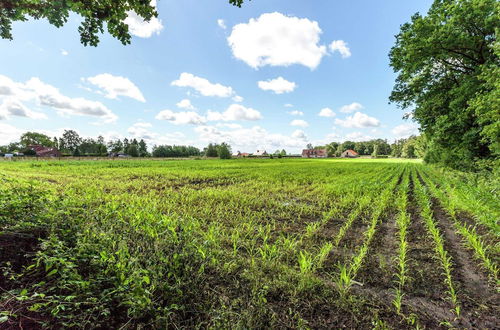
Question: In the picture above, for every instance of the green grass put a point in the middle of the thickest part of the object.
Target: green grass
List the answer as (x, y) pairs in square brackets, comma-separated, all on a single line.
[(207, 243)]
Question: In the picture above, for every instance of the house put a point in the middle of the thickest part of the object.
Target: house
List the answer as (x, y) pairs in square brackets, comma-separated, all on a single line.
[(241, 154), (315, 153), (42, 151), (260, 153), (349, 154)]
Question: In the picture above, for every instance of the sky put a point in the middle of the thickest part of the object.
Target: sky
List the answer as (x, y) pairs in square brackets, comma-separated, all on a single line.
[(274, 74)]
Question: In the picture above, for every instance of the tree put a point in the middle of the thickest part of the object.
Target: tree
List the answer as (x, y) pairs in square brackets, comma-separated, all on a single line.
[(211, 151), (71, 140), (446, 63), (133, 150), (283, 153), (143, 149), (375, 151), (95, 15), (310, 146), (30, 138), (224, 151)]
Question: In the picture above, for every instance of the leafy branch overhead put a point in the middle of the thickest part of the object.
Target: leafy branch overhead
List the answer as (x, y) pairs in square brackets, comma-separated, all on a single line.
[(97, 15)]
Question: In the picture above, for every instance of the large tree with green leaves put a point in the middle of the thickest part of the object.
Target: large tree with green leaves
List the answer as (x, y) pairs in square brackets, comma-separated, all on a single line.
[(97, 15), (31, 138), (445, 62)]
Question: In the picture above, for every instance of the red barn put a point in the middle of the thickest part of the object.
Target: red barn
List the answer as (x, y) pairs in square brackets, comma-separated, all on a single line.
[(349, 154)]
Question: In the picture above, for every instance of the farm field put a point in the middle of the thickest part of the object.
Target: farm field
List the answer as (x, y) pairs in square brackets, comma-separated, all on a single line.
[(281, 243)]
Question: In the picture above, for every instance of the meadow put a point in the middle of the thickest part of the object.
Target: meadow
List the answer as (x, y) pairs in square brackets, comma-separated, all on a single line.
[(257, 243)]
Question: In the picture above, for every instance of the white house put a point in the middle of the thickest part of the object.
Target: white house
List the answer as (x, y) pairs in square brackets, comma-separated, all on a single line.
[(9, 155)]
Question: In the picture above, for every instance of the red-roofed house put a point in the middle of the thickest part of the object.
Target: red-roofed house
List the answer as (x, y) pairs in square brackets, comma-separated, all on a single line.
[(349, 154), (315, 153), (42, 151)]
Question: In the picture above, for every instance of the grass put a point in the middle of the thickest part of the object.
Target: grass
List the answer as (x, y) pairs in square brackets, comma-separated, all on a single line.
[(208, 243)]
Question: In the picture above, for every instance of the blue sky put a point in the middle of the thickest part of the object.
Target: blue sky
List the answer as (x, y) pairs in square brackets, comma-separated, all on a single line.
[(270, 75)]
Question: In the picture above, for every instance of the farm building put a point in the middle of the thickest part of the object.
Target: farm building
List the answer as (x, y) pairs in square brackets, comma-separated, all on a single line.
[(349, 154), (9, 155), (42, 151), (259, 153), (315, 153), (241, 154)]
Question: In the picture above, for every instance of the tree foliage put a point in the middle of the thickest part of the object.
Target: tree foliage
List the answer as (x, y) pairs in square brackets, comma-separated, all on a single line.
[(30, 138), (446, 66), (96, 15)]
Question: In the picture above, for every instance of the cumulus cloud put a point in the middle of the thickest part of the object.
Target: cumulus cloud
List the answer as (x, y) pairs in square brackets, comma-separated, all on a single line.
[(202, 85), (326, 112), (341, 47), (350, 108), (405, 130), (235, 112), (140, 130), (299, 123), (221, 23), (358, 120), (185, 104), (277, 40), (48, 95), (64, 52), (12, 107), (141, 28), (278, 85), (237, 98), (181, 118), (250, 139), (9, 133), (114, 86), (288, 105), (357, 137), (296, 113), (299, 134)]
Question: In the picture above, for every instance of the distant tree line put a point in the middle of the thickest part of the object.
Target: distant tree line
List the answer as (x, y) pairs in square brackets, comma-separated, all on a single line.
[(72, 144), (412, 147)]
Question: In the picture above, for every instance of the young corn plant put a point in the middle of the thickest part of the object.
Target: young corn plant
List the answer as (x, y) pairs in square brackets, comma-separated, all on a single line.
[(433, 231)]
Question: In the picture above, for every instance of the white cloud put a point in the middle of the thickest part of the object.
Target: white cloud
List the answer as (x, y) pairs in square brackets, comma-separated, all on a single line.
[(140, 130), (288, 105), (64, 52), (278, 85), (357, 137), (237, 98), (341, 47), (358, 120), (181, 118), (12, 107), (185, 104), (202, 85), (405, 130), (299, 134), (250, 139), (234, 112), (326, 112), (47, 95), (229, 125), (9, 133), (299, 122), (221, 23), (141, 28), (277, 40), (296, 113), (350, 108), (115, 86)]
